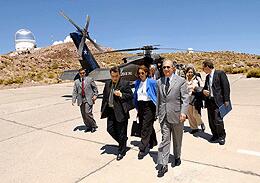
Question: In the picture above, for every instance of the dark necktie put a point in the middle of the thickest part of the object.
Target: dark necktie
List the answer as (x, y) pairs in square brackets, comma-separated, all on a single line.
[(167, 85), (82, 88)]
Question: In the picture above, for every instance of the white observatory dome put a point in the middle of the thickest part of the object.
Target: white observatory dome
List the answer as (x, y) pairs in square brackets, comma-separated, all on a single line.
[(24, 40), (190, 50)]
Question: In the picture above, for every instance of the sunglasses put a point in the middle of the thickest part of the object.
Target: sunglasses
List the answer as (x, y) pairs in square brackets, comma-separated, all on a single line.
[(141, 73), (166, 67), (82, 73)]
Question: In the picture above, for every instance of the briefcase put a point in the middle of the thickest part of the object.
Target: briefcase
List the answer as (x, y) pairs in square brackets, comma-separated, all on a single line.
[(136, 129)]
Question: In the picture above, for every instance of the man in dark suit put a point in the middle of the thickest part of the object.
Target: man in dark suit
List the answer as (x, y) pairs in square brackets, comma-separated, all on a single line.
[(116, 103), (217, 92)]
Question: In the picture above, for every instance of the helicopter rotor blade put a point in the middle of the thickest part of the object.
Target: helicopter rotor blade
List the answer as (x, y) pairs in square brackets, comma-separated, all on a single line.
[(71, 21), (94, 43), (155, 45), (122, 50), (131, 49), (84, 35), (87, 24)]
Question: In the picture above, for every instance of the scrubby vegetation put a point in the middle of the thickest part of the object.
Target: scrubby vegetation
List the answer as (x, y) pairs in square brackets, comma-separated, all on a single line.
[(46, 65), (255, 72)]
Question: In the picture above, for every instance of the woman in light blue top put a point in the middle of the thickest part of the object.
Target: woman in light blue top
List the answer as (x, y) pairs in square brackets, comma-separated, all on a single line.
[(145, 98)]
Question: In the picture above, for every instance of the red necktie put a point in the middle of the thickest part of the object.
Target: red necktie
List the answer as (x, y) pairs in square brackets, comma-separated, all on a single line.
[(82, 88)]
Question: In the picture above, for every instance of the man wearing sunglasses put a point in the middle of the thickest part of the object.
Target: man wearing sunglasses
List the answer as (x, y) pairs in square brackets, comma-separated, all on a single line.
[(172, 107), (85, 92)]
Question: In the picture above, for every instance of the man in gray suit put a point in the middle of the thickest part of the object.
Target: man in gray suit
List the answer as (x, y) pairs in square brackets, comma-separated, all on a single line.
[(172, 107), (86, 92)]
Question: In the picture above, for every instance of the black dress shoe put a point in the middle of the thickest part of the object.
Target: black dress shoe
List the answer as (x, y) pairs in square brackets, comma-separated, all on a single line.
[(162, 171), (93, 129), (203, 127), (141, 155), (221, 141), (213, 139), (119, 156), (177, 162), (88, 129), (194, 131)]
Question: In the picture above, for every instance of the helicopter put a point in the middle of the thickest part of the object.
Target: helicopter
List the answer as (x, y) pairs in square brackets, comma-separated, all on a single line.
[(129, 66)]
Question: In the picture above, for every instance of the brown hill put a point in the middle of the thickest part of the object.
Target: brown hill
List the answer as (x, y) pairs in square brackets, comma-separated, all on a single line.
[(46, 64)]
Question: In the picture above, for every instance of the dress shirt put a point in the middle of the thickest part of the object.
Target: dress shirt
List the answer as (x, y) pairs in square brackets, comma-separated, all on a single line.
[(210, 82), (141, 92)]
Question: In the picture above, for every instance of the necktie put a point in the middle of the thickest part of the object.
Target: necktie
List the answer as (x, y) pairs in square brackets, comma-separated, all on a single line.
[(167, 85), (111, 97), (82, 88)]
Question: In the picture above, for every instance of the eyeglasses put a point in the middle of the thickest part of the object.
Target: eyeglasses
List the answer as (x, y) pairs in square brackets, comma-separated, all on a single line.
[(82, 73), (141, 73), (166, 67)]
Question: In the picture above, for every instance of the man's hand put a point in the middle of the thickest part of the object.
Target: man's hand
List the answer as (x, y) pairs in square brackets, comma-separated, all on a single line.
[(118, 93), (94, 98), (182, 117), (206, 93)]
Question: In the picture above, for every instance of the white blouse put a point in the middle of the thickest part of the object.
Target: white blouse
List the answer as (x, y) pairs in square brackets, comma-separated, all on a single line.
[(141, 92)]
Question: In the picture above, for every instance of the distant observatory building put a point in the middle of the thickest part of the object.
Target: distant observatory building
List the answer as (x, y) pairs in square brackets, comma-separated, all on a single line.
[(190, 50), (24, 40)]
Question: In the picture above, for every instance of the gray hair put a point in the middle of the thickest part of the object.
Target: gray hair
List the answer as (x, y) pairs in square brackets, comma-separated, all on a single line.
[(152, 66), (173, 62)]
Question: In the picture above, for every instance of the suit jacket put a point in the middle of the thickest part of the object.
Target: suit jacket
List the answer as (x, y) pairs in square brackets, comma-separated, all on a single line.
[(220, 88), (90, 89), (173, 103), (150, 90), (122, 105)]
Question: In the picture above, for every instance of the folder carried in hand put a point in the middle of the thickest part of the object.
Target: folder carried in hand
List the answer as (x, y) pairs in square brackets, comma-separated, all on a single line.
[(224, 110)]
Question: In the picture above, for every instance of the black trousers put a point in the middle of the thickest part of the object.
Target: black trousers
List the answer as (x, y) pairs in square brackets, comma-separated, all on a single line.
[(146, 115), (117, 130), (216, 123)]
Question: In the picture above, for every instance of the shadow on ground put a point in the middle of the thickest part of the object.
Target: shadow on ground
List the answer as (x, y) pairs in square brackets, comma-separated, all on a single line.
[(204, 135), (111, 149), (135, 143)]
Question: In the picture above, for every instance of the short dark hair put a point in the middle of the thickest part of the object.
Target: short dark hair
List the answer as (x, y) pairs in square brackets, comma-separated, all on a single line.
[(115, 69), (208, 63), (81, 69)]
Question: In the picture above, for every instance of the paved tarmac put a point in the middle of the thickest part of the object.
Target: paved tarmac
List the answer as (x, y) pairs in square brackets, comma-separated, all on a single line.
[(42, 139)]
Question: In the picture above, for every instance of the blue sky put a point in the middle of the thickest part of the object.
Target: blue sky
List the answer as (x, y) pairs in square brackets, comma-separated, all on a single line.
[(210, 25)]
